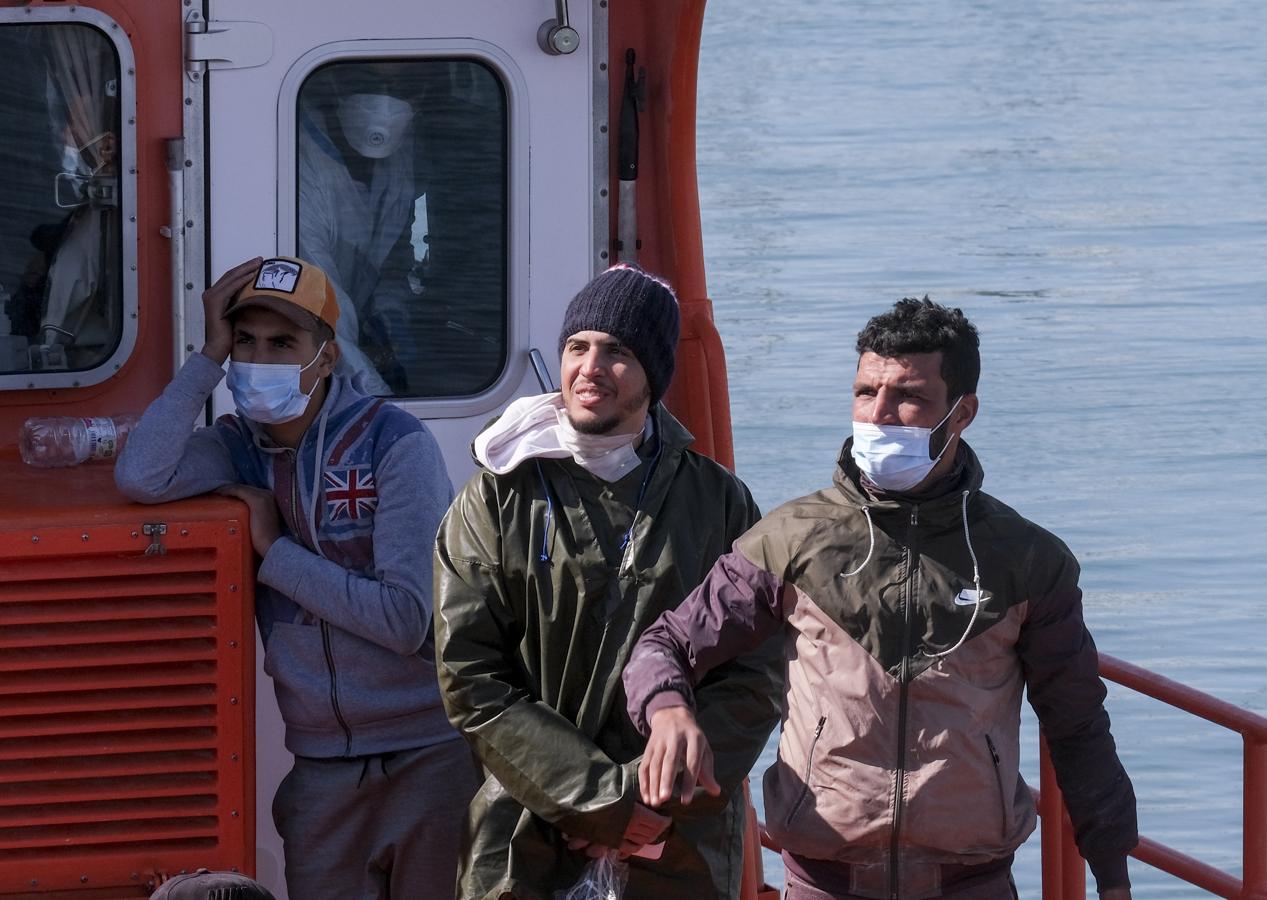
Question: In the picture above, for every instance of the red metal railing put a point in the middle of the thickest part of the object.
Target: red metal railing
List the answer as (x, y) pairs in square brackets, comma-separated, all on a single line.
[(1064, 873)]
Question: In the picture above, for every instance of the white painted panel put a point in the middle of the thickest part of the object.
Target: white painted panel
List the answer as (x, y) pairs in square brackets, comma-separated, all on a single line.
[(552, 201)]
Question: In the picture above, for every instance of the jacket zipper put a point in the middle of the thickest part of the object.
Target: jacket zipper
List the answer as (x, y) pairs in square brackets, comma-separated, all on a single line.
[(998, 778), (294, 495), (325, 626), (903, 683), (334, 688), (809, 763)]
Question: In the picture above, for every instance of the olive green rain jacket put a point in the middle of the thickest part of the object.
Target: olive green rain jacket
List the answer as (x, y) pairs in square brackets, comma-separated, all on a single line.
[(537, 610)]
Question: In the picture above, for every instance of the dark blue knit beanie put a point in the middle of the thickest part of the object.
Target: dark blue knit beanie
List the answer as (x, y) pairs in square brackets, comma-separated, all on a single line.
[(639, 310)]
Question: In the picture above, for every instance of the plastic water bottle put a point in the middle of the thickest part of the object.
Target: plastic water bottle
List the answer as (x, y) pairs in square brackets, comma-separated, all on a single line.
[(58, 441)]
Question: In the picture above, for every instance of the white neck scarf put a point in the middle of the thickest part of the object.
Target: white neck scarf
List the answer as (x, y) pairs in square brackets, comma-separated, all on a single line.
[(538, 427)]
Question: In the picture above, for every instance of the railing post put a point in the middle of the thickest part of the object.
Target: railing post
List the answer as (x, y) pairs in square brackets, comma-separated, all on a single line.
[(1050, 804), (1073, 875), (1255, 813), (1064, 871)]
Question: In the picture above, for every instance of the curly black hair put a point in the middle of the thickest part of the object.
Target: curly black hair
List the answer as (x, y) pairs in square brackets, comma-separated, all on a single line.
[(922, 326)]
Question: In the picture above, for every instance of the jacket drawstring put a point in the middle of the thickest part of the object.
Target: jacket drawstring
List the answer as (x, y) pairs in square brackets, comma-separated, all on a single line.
[(976, 583), (544, 555), (642, 493), (866, 511), (318, 469), (976, 572), (627, 539), (382, 766)]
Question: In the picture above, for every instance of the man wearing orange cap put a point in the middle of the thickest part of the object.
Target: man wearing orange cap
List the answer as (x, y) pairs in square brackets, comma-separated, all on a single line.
[(345, 493)]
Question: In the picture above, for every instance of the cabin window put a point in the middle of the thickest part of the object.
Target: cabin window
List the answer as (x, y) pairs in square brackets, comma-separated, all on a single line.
[(401, 198), (61, 222)]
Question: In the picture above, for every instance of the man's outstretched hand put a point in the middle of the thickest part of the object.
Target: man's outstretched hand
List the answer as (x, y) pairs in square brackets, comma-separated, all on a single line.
[(676, 745)]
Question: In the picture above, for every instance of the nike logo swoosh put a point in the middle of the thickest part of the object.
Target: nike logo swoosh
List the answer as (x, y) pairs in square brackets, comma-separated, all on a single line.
[(968, 597)]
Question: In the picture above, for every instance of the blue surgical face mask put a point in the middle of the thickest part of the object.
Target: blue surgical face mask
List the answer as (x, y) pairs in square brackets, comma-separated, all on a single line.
[(896, 457), (269, 393)]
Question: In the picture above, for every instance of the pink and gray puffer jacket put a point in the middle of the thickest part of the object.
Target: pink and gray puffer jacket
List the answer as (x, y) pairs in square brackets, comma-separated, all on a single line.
[(899, 749)]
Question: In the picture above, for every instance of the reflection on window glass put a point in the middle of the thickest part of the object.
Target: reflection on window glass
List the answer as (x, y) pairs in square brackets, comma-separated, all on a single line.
[(402, 200), (61, 285)]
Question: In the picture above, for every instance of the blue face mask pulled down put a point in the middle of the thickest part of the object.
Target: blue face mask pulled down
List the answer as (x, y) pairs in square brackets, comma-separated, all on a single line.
[(269, 393), (896, 458)]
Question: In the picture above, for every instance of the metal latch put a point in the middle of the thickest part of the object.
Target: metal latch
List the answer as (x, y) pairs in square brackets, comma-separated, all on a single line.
[(557, 36), (155, 531), (225, 45), (71, 190)]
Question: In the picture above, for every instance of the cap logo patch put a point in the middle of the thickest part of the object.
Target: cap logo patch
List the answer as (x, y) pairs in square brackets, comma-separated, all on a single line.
[(278, 275)]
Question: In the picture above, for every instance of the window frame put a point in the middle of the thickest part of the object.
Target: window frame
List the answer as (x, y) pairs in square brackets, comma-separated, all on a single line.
[(499, 63), (128, 258)]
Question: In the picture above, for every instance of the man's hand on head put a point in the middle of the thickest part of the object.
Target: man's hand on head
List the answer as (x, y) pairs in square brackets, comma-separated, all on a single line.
[(265, 526), (215, 300), (676, 745)]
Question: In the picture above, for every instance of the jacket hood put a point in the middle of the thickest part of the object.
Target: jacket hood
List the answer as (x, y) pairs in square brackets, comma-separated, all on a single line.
[(967, 475)]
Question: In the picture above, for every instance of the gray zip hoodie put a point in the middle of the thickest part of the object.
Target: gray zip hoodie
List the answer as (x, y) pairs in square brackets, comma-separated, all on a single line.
[(343, 599)]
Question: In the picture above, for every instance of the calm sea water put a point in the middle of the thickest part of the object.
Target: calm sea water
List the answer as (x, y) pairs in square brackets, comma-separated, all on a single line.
[(1088, 181)]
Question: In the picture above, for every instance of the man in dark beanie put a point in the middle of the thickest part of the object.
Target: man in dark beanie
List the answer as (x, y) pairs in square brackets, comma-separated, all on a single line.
[(638, 309), (590, 516)]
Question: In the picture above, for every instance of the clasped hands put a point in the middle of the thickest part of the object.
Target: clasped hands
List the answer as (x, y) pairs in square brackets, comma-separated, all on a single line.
[(676, 745)]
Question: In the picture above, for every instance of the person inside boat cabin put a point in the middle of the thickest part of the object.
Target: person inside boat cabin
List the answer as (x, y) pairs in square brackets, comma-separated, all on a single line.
[(358, 191), (345, 493), (915, 609), (588, 518)]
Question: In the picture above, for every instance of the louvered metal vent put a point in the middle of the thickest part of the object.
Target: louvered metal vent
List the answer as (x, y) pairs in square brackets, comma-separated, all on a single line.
[(124, 716)]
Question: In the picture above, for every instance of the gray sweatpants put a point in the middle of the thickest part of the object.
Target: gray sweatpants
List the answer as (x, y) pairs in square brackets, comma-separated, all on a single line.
[(376, 827)]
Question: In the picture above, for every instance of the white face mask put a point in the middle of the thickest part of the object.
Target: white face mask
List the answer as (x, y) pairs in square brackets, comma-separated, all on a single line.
[(896, 457), (607, 456), (374, 124), (538, 427), (269, 393)]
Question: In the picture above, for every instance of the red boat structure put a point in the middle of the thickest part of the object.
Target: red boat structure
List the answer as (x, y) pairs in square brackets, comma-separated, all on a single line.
[(148, 145)]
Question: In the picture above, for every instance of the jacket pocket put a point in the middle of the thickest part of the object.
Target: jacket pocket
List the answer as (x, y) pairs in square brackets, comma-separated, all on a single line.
[(809, 766), (295, 658), (377, 684), (998, 780)]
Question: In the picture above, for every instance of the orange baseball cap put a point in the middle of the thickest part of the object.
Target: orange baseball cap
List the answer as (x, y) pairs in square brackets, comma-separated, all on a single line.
[(293, 288)]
